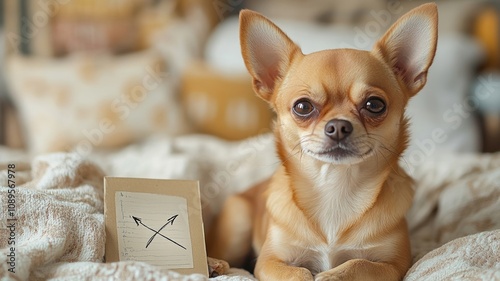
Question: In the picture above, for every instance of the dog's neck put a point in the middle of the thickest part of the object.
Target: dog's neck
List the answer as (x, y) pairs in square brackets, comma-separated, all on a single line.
[(334, 196)]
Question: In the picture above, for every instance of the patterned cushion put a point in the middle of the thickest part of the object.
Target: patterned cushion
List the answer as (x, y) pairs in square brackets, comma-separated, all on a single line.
[(86, 102)]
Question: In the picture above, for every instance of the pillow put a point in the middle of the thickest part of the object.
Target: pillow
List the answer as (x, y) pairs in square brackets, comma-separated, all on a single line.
[(443, 114), (84, 102)]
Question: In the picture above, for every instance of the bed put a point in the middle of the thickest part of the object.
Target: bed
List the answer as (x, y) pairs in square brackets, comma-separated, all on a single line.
[(454, 222)]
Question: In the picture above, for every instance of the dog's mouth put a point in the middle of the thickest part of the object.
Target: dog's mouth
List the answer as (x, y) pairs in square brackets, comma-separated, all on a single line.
[(340, 153)]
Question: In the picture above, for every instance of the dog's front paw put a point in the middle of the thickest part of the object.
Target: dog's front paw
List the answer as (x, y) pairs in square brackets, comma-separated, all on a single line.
[(327, 276), (284, 272), (217, 267), (303, 274)]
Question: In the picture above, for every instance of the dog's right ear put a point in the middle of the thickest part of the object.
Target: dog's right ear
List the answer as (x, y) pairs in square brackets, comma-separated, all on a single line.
[(409, 46), (266, 50)]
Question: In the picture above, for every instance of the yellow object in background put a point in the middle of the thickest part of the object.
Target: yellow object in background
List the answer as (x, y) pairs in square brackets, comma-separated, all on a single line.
[(487, 30), (100, 10), (223, 104)]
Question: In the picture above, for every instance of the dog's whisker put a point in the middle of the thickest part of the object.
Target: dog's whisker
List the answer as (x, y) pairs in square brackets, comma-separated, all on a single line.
[(387, 148)]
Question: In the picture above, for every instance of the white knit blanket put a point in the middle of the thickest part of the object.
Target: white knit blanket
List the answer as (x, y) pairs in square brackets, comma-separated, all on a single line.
[(59, 232)]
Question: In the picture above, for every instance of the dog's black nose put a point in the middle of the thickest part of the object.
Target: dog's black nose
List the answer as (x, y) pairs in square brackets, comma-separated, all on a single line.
[(338, 129)]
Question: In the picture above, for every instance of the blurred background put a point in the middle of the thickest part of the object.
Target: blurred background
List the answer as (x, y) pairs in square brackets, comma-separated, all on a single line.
[(95, 74)]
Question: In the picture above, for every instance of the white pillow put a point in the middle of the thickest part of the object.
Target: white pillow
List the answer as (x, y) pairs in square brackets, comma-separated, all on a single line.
[(441, 119)]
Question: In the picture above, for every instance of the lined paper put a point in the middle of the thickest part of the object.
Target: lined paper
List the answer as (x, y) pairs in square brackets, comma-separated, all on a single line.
[(153, 228)]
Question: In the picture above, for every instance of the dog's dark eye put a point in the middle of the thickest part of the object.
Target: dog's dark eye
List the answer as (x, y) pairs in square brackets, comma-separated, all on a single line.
[(303, 108), (375, 105)]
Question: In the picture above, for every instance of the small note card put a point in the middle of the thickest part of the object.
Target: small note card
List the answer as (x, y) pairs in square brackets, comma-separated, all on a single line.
[(155, 221)]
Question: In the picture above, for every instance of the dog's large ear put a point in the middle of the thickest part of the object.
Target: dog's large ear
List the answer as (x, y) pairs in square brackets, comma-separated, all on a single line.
[(266, 50), (409, 46)]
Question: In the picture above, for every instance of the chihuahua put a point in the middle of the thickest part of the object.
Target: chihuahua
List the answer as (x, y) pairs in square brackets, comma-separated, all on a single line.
[(335, 208)]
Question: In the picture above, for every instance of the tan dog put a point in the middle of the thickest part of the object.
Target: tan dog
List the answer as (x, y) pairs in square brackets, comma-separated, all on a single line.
[(335, 208)]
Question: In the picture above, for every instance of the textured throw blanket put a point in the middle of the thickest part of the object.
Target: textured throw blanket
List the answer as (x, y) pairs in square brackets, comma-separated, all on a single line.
[(58, 229)]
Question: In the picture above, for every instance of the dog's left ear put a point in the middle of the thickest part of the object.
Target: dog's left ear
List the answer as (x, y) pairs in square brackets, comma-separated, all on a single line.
[(409, 46)]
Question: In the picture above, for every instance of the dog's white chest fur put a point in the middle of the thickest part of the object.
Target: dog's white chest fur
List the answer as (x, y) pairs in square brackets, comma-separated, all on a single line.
[(336, 200)]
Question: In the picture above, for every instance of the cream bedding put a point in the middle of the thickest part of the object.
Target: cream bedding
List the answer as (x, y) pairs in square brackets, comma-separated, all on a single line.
[(59, 232)]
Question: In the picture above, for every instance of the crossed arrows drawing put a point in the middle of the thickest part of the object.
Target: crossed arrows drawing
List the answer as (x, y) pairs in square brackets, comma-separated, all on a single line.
[(170, 221)]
